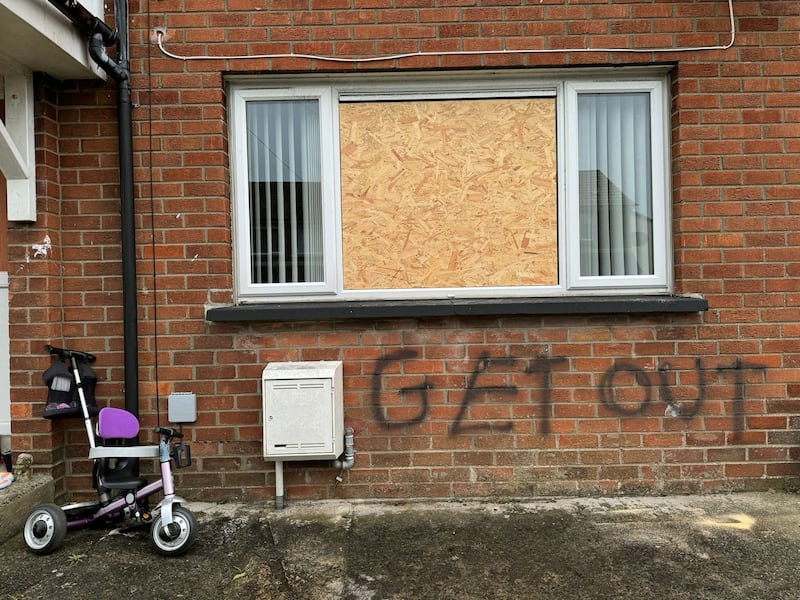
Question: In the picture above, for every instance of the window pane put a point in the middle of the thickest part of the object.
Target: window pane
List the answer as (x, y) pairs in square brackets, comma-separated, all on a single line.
[(616, 203), (285, 191)]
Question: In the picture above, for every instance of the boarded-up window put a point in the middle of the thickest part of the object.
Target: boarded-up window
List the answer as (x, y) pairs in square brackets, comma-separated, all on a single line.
[(448, 193)]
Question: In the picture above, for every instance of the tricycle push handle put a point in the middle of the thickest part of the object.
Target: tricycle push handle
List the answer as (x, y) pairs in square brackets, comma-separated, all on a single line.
[(67, 354)]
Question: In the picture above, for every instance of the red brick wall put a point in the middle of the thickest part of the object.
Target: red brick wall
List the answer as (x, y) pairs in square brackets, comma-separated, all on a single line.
[(492, 406), (34, 292)]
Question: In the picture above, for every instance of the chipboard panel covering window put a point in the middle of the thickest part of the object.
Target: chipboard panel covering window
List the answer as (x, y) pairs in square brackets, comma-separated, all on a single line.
[(472, 192), (403, 188)]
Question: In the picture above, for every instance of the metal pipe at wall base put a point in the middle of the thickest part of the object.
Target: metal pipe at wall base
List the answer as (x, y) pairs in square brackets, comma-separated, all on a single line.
[(346, 463), (279, 484), (343, 464)]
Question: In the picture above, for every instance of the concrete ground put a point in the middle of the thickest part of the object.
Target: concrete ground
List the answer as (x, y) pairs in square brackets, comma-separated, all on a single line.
[(737, 546)]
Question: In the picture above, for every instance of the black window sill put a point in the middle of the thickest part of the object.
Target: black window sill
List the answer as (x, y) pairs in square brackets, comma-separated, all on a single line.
[(387, 309)]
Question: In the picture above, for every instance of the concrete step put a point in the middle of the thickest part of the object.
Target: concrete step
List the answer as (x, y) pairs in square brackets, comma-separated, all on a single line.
[(17, 500)]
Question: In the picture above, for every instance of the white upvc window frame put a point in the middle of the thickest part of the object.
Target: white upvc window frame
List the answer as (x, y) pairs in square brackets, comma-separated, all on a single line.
[(661, 279), (330, 201), (331, 91)]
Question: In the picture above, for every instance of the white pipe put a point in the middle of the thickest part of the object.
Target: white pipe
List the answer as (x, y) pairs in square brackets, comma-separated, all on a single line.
[(279, 484), (160, 33)]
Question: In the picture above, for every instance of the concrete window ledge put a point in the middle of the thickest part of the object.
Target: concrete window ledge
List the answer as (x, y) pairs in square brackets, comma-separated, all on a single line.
[(388, 309)]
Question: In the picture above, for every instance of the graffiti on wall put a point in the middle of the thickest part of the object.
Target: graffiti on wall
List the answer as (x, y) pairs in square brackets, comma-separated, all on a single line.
[(625, 389)]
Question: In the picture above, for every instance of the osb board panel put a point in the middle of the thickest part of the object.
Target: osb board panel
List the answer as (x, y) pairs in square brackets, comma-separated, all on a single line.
[(448, 193)]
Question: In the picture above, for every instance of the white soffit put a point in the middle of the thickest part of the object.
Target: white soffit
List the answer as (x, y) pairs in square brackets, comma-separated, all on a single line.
[(34, 36)]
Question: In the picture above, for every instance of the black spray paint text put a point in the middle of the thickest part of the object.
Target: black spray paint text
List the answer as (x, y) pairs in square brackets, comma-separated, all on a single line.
[(622, 375)]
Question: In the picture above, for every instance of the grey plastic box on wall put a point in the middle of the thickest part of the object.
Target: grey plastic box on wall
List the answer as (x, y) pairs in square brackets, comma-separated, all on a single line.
[(303, 410), (182, 407)]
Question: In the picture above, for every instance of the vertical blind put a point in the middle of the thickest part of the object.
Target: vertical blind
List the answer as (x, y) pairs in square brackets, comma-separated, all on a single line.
[(615, 188), (285, 191)]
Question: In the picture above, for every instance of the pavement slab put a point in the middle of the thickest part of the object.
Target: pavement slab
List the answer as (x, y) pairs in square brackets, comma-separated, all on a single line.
[(733, 546)]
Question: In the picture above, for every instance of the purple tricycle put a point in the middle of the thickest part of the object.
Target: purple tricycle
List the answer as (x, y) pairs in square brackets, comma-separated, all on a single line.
[(122, 494)]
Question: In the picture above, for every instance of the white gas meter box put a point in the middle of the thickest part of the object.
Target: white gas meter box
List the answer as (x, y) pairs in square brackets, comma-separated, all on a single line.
[(303, 410)]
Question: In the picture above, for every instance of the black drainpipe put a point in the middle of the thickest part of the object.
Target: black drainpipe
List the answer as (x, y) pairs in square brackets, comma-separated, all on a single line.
[(100, 37)]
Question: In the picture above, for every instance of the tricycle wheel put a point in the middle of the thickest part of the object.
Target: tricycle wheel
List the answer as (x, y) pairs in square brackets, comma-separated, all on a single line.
[(178, 536), (45, 529)]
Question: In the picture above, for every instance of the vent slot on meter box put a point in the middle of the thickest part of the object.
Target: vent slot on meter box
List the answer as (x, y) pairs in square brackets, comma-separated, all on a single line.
[(303, 410)]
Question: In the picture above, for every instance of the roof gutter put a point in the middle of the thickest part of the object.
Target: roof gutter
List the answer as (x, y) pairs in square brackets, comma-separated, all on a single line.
[(101, 36)]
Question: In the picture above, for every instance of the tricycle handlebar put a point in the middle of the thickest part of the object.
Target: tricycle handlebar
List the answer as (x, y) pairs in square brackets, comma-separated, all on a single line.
[(168, 432)]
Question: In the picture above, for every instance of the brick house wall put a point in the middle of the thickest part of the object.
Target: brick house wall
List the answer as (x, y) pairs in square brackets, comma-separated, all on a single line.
[(487, 405)]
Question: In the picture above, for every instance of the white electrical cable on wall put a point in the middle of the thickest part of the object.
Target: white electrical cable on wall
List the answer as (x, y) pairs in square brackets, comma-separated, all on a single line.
[(160, 34)]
